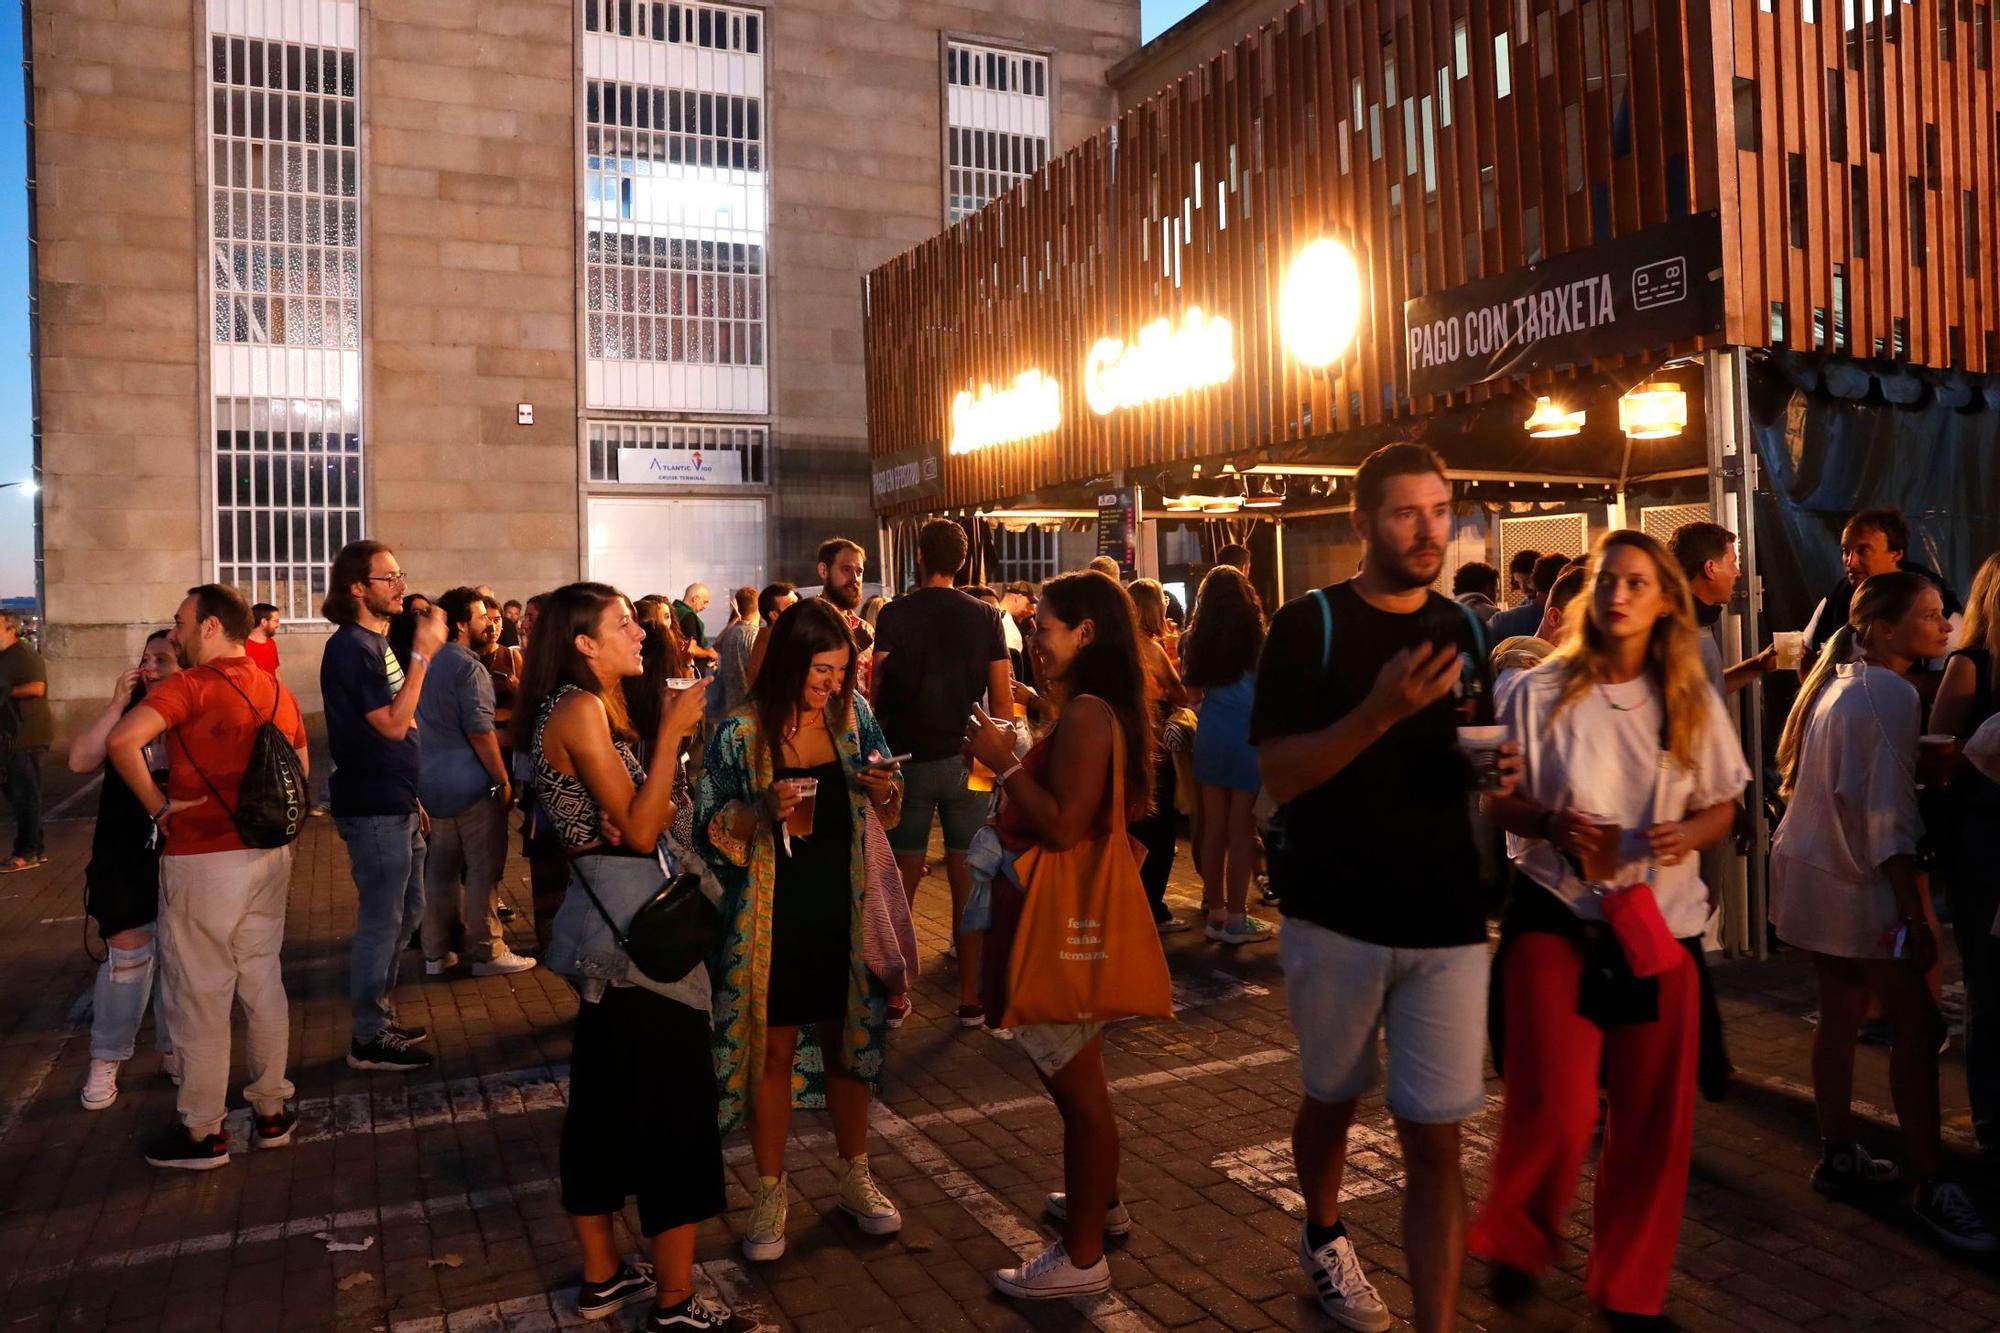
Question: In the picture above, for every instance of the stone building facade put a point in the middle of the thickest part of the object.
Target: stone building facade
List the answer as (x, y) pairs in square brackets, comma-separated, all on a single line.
[(528, 289)]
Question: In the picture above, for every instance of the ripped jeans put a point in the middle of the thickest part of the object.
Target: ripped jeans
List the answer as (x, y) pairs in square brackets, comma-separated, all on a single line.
[(125, 982)]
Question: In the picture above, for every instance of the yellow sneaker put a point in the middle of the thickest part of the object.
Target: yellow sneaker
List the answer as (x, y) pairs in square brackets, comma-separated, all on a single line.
[(765, 1240), (865, 1202)]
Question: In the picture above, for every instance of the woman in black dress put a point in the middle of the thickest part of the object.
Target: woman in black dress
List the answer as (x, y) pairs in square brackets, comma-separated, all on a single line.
[(790, 779)]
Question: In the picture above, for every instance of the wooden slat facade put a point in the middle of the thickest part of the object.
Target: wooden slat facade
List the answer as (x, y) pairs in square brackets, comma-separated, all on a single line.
[(1447, 141)]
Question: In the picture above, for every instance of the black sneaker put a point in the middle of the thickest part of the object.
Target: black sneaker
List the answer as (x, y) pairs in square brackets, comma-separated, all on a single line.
[(1624, 1322), (1846, 1168), (1945, 1207), (1512, 1287), (274, 1131), (181, 1150), (504, 912), (599, 1300), (389, 1052), (698, 1312), (412, 1033)]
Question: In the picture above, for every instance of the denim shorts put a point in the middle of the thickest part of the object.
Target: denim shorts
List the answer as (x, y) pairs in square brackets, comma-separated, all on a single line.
[(1430, 1003), (938, 785)]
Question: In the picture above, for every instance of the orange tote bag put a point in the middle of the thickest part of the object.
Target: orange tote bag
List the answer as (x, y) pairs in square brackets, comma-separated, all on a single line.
[(1087, 950)]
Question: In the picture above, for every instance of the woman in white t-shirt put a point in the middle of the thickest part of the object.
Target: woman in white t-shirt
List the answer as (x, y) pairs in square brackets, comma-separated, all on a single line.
[(1844, 885), (1631, 769)]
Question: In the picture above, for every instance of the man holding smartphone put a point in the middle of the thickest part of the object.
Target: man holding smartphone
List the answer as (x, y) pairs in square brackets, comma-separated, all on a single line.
[(463, 785), (936, 652)]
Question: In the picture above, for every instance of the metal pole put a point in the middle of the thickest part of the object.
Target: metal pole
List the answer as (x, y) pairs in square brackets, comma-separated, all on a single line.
[(1732, 496), (1278, 555)]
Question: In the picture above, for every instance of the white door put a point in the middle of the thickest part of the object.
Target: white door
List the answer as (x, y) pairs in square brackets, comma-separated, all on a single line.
[(661, 544)]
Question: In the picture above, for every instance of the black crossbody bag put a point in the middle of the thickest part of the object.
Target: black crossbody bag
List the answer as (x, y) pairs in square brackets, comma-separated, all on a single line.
[(672, 933)]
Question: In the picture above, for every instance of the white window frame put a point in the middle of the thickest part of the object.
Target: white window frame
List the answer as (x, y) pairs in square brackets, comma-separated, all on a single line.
[(997, 122), (282, 304), (604, 438), (675, 197)]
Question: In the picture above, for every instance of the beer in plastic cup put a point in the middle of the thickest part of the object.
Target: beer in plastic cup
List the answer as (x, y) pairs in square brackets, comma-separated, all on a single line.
[(1790, 646), (800, 822), (679, 683), (978, 776), (1481, 746)]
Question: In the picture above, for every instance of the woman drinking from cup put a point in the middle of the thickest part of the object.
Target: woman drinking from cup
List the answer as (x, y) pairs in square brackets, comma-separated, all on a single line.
[(1630, 768), (641, 1117), (790, 780), (1087, 653), (1844, 886)]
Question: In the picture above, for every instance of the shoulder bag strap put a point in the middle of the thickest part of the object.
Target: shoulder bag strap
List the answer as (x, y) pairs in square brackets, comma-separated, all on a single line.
[(1325, 629), (189, 754)]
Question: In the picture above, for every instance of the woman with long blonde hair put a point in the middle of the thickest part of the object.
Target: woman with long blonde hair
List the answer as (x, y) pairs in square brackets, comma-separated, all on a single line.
[(1844, 886), (1632, 768), (1966, 698)]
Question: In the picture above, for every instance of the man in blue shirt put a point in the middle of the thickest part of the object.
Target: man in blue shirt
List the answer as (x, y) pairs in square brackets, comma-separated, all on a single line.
[(464, 789), (371, 728)]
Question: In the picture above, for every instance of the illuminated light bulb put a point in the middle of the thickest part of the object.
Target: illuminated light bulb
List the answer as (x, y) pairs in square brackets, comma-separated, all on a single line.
[(1160, 362), (1319, 307), (1653, 412), (1550, 422), (1031, 406)]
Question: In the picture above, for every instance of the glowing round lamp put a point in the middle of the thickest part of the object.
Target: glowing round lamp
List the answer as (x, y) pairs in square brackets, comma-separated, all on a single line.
[(1319, 307), (1653, 412), (1551, 422)]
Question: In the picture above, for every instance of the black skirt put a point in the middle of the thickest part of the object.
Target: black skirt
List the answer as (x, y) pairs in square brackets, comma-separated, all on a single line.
[(812, 911), (642, 1112)]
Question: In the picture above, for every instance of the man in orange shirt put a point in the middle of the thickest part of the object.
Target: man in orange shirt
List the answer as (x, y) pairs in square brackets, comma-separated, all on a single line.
[(222, 904)]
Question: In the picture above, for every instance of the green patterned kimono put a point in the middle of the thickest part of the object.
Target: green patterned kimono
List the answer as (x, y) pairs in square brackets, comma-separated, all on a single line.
[(739, 769)]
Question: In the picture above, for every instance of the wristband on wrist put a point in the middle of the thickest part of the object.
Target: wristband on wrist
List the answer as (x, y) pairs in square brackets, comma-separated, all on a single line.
[(161, 812), (1000, 779)]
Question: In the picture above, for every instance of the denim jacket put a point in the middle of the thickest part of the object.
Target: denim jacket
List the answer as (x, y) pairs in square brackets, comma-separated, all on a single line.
[(581, 946)]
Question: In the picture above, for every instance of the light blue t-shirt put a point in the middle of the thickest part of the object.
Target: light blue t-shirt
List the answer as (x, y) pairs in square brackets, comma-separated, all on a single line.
[(457, 703)]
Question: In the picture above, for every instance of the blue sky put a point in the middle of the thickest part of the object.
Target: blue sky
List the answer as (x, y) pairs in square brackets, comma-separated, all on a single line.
[(17, 575)]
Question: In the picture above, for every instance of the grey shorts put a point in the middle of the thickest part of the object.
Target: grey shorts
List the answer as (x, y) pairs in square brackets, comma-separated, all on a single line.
[(937, 787), (1430, 1002)]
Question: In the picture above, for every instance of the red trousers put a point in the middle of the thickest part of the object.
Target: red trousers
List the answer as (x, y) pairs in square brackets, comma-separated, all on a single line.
[(1553, 1060)]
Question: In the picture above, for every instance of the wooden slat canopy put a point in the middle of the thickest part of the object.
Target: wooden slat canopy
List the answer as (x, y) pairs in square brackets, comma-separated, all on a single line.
[(1851, 160)]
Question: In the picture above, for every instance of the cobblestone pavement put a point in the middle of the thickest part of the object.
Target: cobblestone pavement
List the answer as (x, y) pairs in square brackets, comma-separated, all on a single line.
[(428, 1204)]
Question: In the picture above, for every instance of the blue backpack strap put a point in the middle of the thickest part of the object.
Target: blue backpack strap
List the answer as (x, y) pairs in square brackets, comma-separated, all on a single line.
[(1325, 629), (1478, 630)]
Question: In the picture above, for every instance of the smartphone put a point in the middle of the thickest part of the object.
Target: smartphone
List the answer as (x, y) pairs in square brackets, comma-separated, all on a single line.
[(890, 762)]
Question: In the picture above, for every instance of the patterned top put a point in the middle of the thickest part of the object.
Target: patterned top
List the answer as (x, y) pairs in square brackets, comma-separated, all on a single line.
[(564, 799)]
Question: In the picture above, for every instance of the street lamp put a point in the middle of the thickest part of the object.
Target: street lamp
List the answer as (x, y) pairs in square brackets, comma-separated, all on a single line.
[(28, 488)]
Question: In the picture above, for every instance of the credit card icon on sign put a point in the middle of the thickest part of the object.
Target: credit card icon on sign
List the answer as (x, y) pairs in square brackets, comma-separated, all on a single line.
[(1662, 282)]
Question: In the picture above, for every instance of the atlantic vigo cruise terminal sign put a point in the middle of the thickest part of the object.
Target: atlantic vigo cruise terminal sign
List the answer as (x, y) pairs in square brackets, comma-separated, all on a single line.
[(1637, 293)]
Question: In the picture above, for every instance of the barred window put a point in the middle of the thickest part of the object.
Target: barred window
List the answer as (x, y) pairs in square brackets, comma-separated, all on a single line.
[(704, 26), (691, 440), (675, 203), (284, 298), (997, 113), (284, 218), (1030, 554)]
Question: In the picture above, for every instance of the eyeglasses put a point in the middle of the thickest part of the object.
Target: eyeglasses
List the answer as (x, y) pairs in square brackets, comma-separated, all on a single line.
[(391, 579)]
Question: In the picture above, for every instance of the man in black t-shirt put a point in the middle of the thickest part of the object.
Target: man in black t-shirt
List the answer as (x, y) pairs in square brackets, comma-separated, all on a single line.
[(936, 651), (1360, 691)]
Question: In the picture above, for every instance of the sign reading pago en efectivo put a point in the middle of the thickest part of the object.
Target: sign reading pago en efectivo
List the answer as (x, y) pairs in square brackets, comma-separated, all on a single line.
[(1638, 293)]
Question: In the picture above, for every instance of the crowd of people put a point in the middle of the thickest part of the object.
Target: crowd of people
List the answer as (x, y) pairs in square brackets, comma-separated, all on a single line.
[(725, 840)]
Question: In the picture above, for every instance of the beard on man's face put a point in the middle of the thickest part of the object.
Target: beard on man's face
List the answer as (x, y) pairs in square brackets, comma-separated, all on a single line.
[(1407, 570), (846, 596)]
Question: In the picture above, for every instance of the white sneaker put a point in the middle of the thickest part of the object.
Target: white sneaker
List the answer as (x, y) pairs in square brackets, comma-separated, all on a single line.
[(1117, 1218), (765, 1239), (502, 964), (1051, 1276), (437, 967), (1172, 925), (1344, 1290), (863, 1200), (101, 1088)]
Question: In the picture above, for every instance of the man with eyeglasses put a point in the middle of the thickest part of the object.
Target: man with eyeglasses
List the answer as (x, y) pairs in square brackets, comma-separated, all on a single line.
[(371, 728)]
